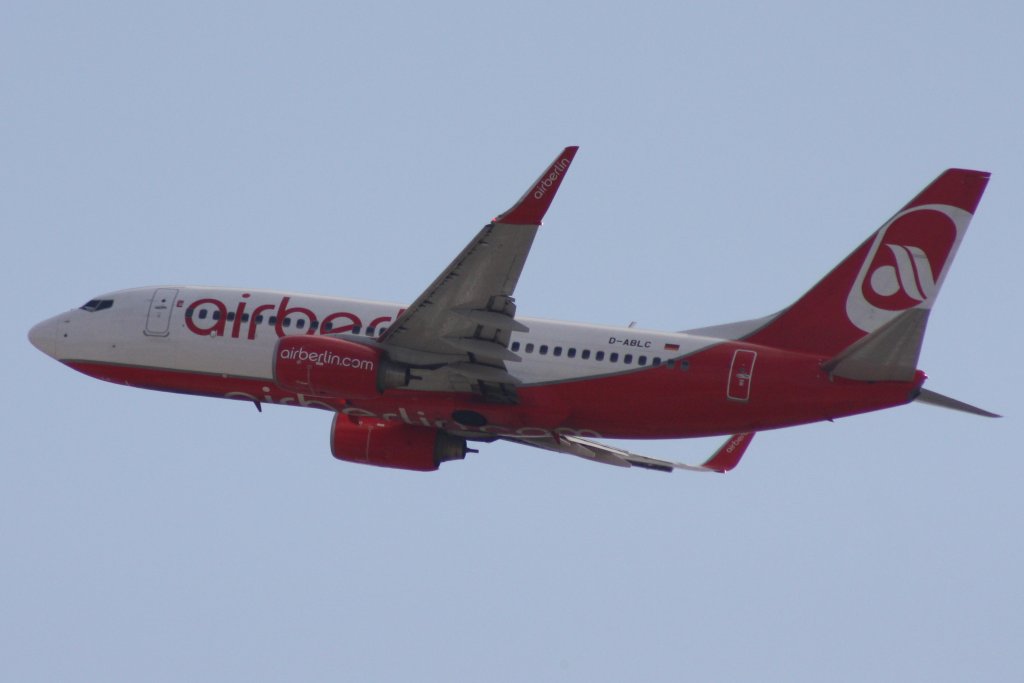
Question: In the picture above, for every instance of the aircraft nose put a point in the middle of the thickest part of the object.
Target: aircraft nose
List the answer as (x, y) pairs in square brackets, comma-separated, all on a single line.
[(44, 337)]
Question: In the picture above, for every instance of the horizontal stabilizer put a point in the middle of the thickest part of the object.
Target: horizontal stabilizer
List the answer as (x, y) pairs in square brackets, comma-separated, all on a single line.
[(889, 354), (937, 399)]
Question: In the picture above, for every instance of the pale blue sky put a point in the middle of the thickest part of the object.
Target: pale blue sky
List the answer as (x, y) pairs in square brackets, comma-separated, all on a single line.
[(730, 155)]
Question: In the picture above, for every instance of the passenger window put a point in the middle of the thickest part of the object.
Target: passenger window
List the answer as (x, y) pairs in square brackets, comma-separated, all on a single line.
[(287, 322), (300, 323), (613, 357), (203, 313), (586, 354), (571, 353), (357, 329), (657, 361), (328, 327), (245, 317), (557, 351), (370, 331), (529, 348), (272, 320), (684, 365), (543, 349), (313, 324), (259, 319), (642, 360), (628, 359), (216, 315), (599, 355), (515, 346), (231, 316)]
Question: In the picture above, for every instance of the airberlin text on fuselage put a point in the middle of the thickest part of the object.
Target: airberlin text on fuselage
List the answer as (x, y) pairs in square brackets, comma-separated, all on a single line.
[(415, 418), (419, 419), (242, 326), (326, 358), (245, 322)]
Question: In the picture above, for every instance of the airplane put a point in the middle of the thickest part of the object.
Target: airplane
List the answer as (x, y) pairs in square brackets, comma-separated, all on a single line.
[(411, 386)]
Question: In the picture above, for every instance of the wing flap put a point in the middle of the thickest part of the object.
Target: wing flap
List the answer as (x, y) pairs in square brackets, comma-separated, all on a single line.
[(491, 319), (484, 348), (478, 372)]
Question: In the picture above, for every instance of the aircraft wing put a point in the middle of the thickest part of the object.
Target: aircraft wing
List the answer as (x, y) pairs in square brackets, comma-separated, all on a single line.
[(461, 324), (723, 460)]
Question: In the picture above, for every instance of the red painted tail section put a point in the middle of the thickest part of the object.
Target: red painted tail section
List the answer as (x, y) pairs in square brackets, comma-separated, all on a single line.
[(901, 266)]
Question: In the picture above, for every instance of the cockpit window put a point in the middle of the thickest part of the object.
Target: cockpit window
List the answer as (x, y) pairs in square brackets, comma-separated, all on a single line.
[(97, 305)]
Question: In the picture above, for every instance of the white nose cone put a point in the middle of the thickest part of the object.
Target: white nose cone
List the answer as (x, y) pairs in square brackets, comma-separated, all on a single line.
[(44, 337)]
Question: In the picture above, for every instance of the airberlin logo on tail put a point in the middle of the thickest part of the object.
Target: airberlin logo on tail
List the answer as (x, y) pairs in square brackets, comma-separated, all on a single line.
[(905, 264), (550, 179), (911, 276)]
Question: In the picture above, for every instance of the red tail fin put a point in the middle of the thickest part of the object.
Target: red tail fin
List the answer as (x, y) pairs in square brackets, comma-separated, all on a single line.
[(901, 266)]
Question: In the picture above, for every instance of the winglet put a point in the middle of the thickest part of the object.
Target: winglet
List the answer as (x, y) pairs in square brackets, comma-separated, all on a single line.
[(532, 206), (728, 456)]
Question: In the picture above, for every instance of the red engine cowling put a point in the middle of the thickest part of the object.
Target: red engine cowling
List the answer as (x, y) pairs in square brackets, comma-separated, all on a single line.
[(395, 445), (326, 366)]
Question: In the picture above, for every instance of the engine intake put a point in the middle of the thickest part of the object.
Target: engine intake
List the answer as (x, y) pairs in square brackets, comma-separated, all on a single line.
[(326, 366), (397, 445)]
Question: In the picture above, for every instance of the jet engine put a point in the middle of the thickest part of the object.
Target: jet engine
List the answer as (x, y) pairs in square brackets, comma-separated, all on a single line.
[(391, 444), (326, 366)]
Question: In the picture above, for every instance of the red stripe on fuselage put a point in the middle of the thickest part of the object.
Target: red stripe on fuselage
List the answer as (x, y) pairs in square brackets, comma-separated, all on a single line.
[(657, 402)]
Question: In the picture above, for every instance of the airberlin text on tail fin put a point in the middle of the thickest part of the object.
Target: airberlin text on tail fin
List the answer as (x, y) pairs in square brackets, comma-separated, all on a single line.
[(899, 268)]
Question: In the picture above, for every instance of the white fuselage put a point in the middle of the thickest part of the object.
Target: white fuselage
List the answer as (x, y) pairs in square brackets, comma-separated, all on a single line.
[(233, 333)]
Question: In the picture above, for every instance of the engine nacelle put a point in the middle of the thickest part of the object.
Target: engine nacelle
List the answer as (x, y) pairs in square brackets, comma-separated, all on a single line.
[(326, 366), (393, 444)]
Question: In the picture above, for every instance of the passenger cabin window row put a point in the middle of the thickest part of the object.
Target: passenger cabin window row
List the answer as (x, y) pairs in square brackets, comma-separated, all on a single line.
[(300, 322), (611, 357)]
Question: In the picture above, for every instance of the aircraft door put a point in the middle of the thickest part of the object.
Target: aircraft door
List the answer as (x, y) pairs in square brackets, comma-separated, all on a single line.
[(158, 322), (740, 374)]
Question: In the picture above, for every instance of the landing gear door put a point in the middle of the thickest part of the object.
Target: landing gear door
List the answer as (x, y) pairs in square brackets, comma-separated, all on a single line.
[(158, 322)]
